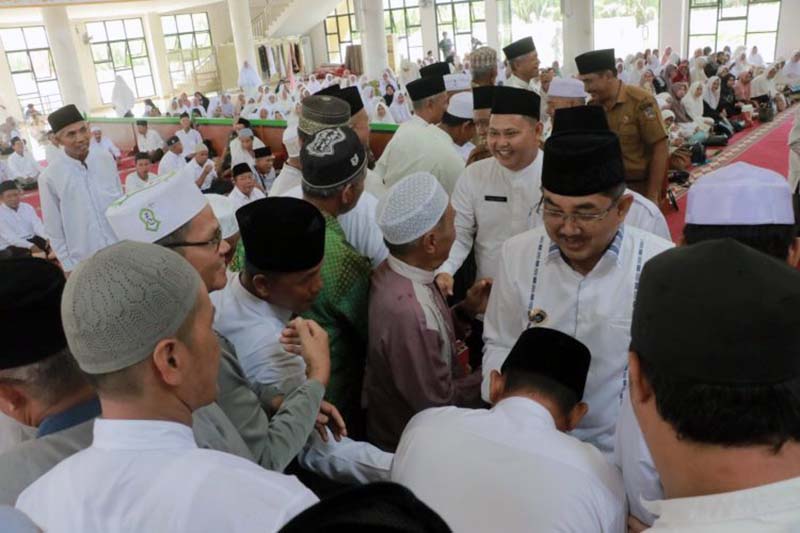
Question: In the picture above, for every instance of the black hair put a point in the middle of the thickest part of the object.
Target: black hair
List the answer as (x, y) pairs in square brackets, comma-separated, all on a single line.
[(454, 121), (518, 380), (771, 239), (727, 415)]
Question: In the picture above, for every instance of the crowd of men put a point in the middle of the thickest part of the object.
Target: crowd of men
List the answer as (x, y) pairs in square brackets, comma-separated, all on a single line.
[(501, 337)]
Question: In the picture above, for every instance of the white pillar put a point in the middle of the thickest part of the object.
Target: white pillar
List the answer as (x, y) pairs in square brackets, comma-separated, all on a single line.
[(373, 37), (8, 91), (492, 24), (578, 32), (154, 35), (673, 27), (62, 46), (243, 42), (430, 41)]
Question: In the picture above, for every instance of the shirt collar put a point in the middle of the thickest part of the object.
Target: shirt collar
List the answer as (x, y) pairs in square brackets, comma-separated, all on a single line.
[(612, 251), (413, 273), (257, 305), (527, 412), (77, 414), (142, 435)]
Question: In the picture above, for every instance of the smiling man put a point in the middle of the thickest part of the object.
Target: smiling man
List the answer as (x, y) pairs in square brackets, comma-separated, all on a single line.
[(76, 190), (578, 273)]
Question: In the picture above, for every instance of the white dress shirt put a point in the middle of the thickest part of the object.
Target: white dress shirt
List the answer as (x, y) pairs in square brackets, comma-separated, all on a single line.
[(289, 178), (517, 83), (644, 214), (170, 162), (149, 475), (192, 170), (189, 140), (5, 174), (133, 182), (236, 148), (74, 199), (465, 149), (596, 309), (773, 508), (508, 469), (359, 227), (150, 141), (239, 198), (17, 226), (23, 166), (492, 204), (105, 144)]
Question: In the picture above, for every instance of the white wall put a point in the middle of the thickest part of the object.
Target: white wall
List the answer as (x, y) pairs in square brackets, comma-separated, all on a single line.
[(788, 36), (319, 48)]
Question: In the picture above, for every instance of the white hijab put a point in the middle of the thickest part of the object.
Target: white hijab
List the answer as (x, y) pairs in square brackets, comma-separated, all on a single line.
[(711, 96), (792, 69), (694, 104), (387, 117), (122, 97), (249, 78), (400, 110)]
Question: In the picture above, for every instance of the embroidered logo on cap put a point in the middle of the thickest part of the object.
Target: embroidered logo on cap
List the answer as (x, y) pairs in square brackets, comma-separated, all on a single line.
[(148, 217), (354, 160), (325, 142)]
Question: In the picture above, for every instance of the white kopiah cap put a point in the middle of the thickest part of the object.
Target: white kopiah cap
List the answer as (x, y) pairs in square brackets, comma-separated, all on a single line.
[(225, 212), (411, 208), (461, 105), (740, 195), (95, 128), (457, 82), (157, 210), (567, 88)]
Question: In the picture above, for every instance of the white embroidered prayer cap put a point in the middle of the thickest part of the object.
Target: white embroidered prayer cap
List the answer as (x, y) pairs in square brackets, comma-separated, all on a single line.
[(566, 88), (225, 212), (457, 82), (411, 208), (157, 210), (460, 105), (95, 128), (740, 194)]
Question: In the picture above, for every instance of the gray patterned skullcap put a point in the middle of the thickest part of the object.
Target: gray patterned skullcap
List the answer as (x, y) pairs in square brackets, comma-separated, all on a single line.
[(411, 208), (120, 303)]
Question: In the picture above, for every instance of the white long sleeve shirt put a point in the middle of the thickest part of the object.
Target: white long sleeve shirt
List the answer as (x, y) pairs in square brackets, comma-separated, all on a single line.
[(74, 198), (192, 171), (150, 141), (149, 475), (189, 140), (170, 162), (508, 469), (596, 309), (133, 182), (105, 144), (23, 166), (5, 174), (239, 199), (17, 226), (289, 178), (644, 214)]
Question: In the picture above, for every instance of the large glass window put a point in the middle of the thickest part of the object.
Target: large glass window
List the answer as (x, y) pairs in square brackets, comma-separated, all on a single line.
[(465, 24), (341, 30), (627, 27), (734, 23), (119, 49), (32, 67), (190, 53), (540, 19), (402, 20)]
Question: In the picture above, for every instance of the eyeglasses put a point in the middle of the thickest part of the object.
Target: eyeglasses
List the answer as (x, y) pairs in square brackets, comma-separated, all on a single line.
[(215, 242), (579, 218)]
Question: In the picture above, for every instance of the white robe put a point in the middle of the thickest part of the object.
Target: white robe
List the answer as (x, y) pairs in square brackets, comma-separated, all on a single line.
[(794, 152), (150, 141), (189, 140), (23, 166), (122, 97), (17, 226), (105, 144), (133, 182), (239, 199), (170, 162)]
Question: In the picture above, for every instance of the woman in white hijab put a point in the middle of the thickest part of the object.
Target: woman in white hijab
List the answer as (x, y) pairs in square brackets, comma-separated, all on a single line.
[(755, 58), (693, 104), (698, 73), (249, 80), (380, 114), (122, 97), (740, 65), (399, 108), (791, 70)]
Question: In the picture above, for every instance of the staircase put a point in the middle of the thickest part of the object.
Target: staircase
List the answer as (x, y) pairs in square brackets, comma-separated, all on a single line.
[(267, 22), (290, 18)]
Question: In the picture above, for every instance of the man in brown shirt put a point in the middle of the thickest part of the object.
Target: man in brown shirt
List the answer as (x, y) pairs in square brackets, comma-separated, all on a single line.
[(634, 116)]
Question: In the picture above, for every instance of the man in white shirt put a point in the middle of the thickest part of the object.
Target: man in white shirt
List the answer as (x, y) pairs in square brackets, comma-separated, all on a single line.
[(172, 161), (141, 176), (731, 465), (190, 138), (291, 175), (144, 466), (103, 143), (482, 97), (5, 174), (517, 456), (419, 145), (523, 60), (149, 141), (21, 164), (246, 153), (200, 169), (75, 190), (244, 186), (235, 145), (20, 227), (459, 124), (578, 273), (563, 93), (263, 172)]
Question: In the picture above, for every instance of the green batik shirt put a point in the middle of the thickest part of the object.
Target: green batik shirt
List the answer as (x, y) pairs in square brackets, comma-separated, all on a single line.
[(341, 309)]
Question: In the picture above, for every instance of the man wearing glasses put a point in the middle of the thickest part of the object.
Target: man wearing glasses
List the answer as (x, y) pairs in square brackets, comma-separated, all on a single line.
[(577, 273)]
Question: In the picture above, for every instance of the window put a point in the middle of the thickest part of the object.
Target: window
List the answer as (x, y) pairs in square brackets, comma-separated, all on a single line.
[(32, 67), (402, 20), (190, 53), (540, 19), (341, 30), (734, 23), (465, 24), (119, 49), (627, 27)]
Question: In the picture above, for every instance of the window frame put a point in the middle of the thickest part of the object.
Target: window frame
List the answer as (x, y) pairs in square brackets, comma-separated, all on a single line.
[(453, 27), (711, 4), (193, 52), (46, 103), (355, 33), (403, 37)]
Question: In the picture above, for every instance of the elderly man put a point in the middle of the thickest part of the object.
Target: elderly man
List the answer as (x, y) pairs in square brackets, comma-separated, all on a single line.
[(173, 161), (103, 143), (190, 138), (483, 63), (141, 176), (415, 360), (459, 124), (200, 170), (21, 165), (537, 399), (149, 141), (578, 273), (481, 113), (75, 191), (21, 230), (523, 60), (150, 376), (244, 190), (563, 94), (263, 171)]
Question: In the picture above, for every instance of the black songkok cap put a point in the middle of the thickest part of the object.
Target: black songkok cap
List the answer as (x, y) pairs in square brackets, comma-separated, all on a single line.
[(141, 123), (513, 101), (141, 155), (173, 140), (351, 95), (14, 140), (281, 234), (185, 115), (264, 151), (63, 117), (30, 311), (241, 168), (519, 48), (482, 97), (332, 157), (582, 117), (582, 163), (738, 309), (442, 68), (376, 507), (425, 87), (552, 354), (596, 60), (8, 185), (243, 121)]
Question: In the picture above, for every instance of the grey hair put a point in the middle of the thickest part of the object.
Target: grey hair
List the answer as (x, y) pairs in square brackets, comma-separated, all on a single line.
[(330, 192), (422, 102), (50, 379)]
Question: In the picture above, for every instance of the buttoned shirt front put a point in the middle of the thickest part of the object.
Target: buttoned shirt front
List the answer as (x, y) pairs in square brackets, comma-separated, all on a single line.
[(192, 170), (150, 141), (596, 309), (240, 199), (170, 162), (19, 225), (189, 140)]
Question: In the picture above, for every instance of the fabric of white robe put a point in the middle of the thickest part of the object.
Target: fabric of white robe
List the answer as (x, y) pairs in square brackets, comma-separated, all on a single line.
[(17, 226), (171, 162), (794, 152), (23, 166), (122, 97)]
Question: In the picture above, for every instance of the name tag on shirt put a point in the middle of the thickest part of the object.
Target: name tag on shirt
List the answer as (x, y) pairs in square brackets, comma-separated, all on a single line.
[(495, 198)]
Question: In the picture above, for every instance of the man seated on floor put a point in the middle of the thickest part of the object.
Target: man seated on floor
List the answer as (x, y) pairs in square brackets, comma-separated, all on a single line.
[(21, 164), (21, 230), (141, 176), (149, 141), (144, 466), (103, 143), (415, 359), (244, 186), (173, 161), (200, 170), (518, 456), (263, 172), (190, 138), (235, 146), (246, 153)]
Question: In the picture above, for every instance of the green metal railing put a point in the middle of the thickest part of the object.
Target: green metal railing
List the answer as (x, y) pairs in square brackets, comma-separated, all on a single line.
[(383, 128)]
